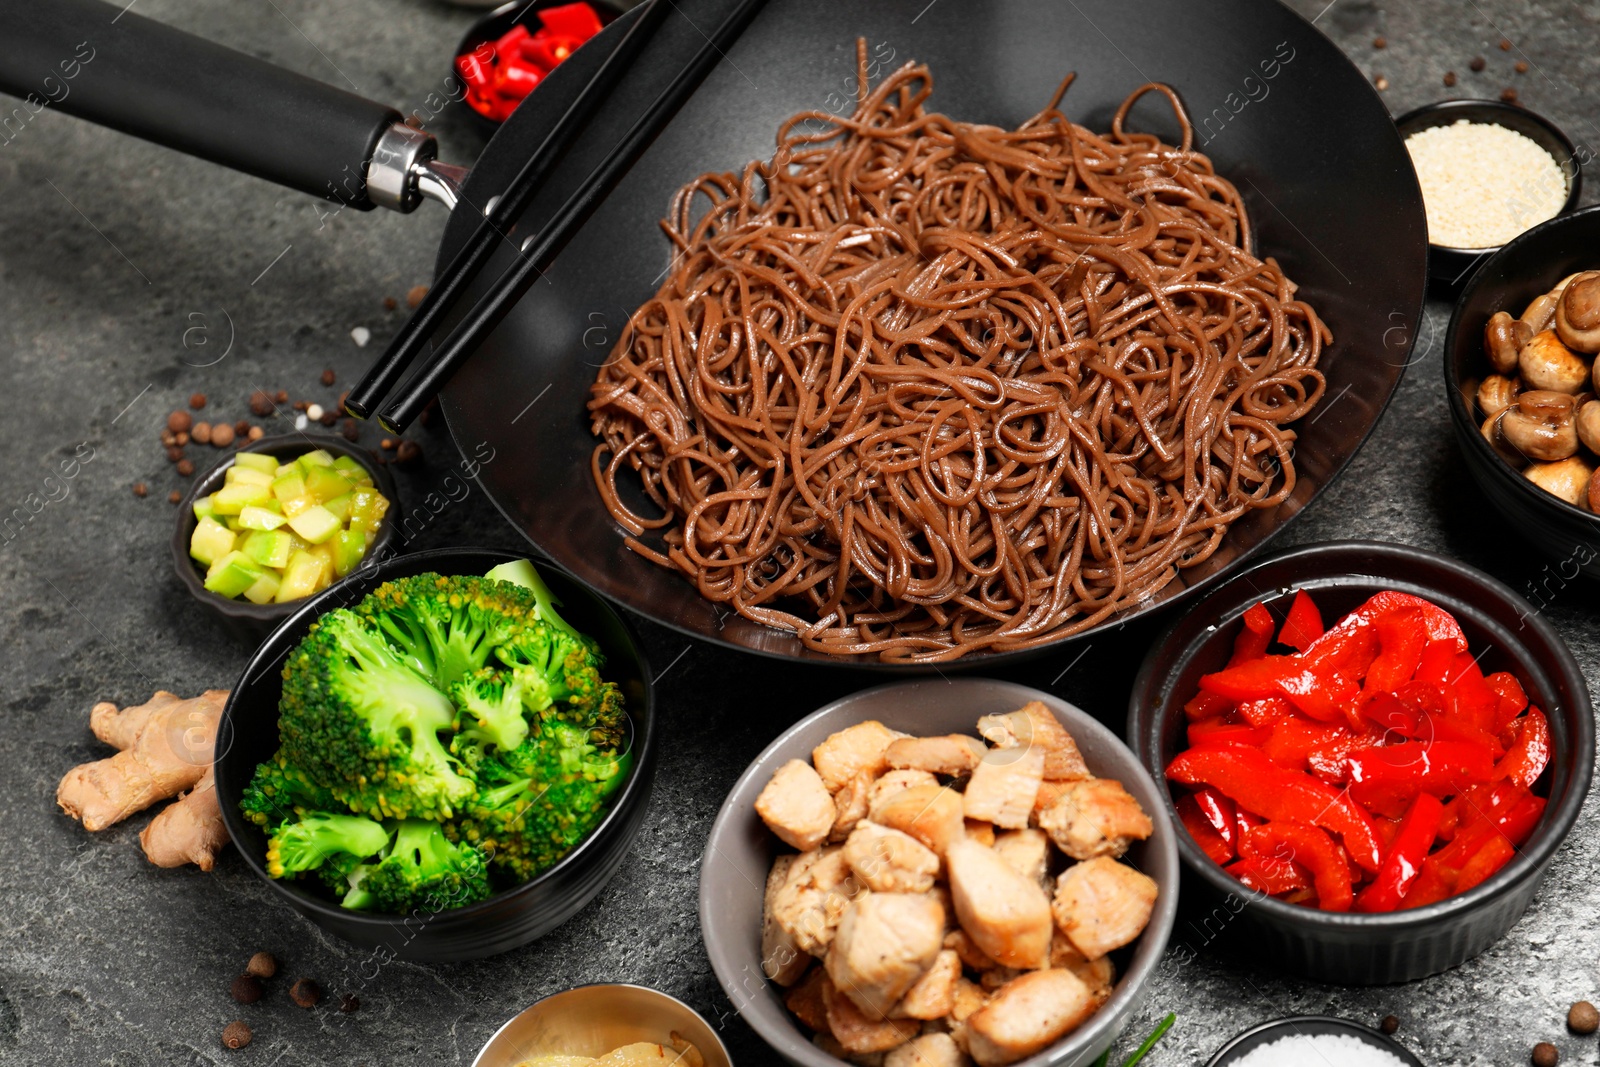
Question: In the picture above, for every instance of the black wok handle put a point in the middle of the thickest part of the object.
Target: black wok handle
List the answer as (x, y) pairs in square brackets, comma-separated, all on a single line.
[(107, 64)]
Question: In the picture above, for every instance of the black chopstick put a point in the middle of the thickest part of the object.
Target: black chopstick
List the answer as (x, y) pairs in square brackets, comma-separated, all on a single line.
[(465, 265), (539, 248)]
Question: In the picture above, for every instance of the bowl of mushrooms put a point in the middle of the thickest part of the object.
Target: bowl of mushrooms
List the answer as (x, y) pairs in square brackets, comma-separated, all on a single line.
[(940, 872), (1522, 373)]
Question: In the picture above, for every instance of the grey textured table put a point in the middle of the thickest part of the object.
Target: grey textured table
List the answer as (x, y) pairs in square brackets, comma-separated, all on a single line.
[(124, 272)]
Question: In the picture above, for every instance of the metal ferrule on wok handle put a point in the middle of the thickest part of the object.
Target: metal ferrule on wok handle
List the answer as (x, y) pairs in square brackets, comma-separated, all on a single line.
[(113, 67)]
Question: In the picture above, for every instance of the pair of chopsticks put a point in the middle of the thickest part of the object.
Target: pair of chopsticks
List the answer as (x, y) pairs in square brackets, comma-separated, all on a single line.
[(539, 248)]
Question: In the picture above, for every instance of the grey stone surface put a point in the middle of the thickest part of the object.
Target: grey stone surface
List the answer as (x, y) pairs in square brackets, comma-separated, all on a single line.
[(124, 271)]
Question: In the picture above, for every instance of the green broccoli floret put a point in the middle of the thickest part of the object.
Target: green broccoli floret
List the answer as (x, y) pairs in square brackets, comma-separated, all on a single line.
[(279, 789), (308, 842), (489, 711), (425, 870), (364, 725), (446, 627), (538, 801), (521, 572)]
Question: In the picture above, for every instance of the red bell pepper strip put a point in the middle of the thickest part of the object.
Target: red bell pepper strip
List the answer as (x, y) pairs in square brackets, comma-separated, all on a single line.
[(1403, 860), (1243, 822), (1294, 739), (1401, 638), (1254, 638), (1437, 664), (1303, 624), (1470, 700), (1526, 759), (1496, 853), (1440, 624), (1513, 698), (1207, 706), (1432, 885), (1434, 767), (1220, 812), (1297, 842), (1254, 782), (1272, 877), (1222, 732), (1266, 711), (1205, 835)]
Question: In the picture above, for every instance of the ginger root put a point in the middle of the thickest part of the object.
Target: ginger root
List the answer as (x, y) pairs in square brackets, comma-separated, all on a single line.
[(165, 746)]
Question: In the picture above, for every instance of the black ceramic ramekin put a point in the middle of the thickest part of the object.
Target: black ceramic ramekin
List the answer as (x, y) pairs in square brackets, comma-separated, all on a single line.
[(1351, 948), (239, 617), (248, 735), (1509, 281)]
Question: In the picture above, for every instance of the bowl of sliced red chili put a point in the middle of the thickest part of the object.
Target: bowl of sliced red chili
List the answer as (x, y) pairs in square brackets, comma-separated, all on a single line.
[(1373, 753)]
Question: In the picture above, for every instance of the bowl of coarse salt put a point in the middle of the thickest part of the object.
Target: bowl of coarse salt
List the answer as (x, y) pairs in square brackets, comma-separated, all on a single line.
[(1489, 171), (1313, 1041)]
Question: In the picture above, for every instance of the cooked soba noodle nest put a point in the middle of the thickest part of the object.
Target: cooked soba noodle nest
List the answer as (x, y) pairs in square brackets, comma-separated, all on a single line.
[(919, 388)]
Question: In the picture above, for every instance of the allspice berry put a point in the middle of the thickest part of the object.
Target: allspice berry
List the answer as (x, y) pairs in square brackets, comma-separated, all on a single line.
[(415, 295), (185, 467), (241, 427), (262, 965), (179, 421), (1583, 1018), (174, 497), (140, 489), (1390, 1024), (328, 377), (409, 452), (174, 453), (197, 401), (222, 435), (236, 1034), (256, 433), (201, 434), (1545, 1055), (261, 403), (246, 989), (305, 993)]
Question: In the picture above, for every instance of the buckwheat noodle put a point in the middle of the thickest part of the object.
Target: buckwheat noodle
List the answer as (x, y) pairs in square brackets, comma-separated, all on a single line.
[(919, 388)]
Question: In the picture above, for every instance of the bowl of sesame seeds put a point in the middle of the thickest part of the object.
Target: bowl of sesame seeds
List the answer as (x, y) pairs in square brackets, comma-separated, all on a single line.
[(1489, 171)]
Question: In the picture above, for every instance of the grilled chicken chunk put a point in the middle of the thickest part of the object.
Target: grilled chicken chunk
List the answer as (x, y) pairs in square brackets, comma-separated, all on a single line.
[(797, 807), (811, 902), (929, 1050), (952, 754), (851, 803), (962, 944), (1007, 914), (806, 1000), (885, 942), (1027, 852), (858, 1031), (1004, 785), (929, 813), (1095, 817), (889, 861), (892, 782), (1030, 1012), (934, 994), (1101, 905), (1099, 975), (853, 750), (1034, 725), (781, 958)]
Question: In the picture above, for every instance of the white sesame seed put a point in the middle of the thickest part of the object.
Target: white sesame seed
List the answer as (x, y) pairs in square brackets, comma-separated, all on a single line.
[(1483, 184)]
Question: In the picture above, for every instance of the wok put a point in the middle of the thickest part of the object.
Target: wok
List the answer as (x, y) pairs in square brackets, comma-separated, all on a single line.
[(1281, 111)]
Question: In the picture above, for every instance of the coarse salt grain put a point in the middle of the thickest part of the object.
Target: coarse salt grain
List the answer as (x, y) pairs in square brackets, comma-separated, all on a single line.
[(1318, 1050), (1483, 184)]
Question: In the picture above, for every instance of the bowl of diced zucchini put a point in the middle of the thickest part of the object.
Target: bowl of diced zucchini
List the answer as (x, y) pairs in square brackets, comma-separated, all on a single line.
[(280, 520)]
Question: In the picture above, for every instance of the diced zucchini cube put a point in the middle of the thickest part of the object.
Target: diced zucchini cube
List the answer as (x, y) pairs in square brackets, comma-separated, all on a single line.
[(289, 486), (257, 461), (302, 576), (297, 505), (339, 507), (348, 466), (254, 518), (237, 475), (264, 588), (233, 574), (270, 548), (315, 458), (232, 499), (203, 508), (316, 524), (348, 548), (367, 508), (210, 541), (325, 483)]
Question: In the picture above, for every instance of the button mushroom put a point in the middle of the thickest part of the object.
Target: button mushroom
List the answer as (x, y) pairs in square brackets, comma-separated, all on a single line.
[(1538, 314), (1503, 338), (1496, 394), (1578, 314), (1546, 363), (1541, 425), (1568, 479), (1491, 433), (1589, 426)]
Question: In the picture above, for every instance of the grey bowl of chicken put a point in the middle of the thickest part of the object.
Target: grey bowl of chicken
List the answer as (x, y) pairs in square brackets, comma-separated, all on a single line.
[(936, 871)]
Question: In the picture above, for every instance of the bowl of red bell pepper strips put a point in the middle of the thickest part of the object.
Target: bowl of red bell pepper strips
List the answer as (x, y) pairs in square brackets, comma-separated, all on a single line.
[(513, 48), (1375, 751)]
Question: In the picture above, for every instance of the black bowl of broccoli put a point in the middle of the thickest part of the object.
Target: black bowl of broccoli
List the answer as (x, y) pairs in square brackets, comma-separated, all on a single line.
[(437, 763)]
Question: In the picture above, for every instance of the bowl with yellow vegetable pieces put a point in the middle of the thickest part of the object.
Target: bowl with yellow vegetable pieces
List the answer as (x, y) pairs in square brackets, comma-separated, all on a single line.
[(940, 871), (605, 1026), (278, 521)]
